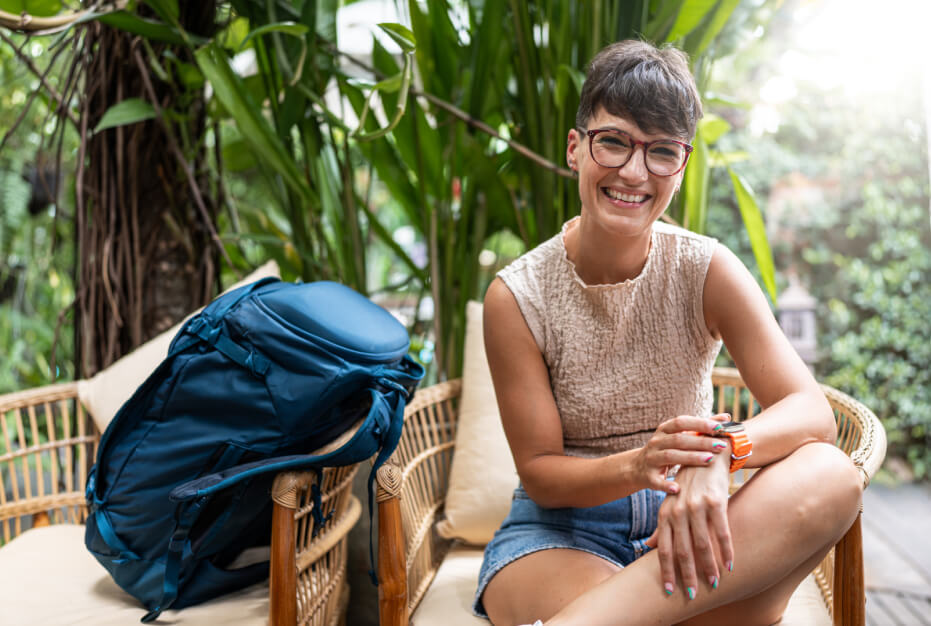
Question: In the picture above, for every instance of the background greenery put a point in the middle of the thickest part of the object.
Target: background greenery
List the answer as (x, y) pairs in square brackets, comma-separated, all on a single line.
[(420, 213)]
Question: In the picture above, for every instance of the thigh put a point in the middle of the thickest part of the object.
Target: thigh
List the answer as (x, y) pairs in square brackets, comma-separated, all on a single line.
[(812, 498), (761, 609), (538, 585)]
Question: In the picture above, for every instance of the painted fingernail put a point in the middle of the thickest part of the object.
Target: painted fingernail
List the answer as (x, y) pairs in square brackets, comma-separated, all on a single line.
[(691, 592), (719, 445), (669, 588), (730, 566), (713, 581), (718, 427), (708, 460)]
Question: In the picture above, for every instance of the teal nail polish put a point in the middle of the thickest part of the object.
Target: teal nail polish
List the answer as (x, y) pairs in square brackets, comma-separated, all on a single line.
[(718, 427), (691, 593), (708, 460), (717, 445), (730, 566), (669, 588), (714, 581)]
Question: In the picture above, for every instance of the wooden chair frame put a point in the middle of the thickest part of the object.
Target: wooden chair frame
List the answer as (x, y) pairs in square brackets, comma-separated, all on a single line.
[(48, 444), (412, 490)]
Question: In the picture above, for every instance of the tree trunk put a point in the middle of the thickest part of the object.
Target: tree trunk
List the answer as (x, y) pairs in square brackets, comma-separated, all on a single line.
[(146, 257)]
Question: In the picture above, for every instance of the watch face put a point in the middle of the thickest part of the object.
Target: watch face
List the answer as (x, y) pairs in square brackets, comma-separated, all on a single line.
[(732, 427)]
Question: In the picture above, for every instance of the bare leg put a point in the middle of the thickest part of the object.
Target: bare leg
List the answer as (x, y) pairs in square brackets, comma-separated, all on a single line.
[(538, 585), (782, 522)]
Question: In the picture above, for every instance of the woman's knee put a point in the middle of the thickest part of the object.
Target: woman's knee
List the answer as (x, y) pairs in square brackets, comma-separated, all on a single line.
[(832, 483)]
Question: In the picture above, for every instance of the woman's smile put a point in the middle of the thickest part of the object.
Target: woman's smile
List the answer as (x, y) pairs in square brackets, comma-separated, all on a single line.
[(625, 198)]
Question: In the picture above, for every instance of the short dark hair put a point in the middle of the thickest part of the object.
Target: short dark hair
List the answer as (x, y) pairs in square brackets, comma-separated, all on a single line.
[(649, 85)]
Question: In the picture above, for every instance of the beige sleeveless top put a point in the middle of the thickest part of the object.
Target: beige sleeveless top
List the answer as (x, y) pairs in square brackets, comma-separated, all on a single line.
[(624, 357)]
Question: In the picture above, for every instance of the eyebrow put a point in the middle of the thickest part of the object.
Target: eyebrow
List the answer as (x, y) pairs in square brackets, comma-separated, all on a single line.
[(627, 132)]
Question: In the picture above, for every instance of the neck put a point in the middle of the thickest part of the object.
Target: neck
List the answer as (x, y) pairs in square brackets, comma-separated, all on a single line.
[(604, 258)]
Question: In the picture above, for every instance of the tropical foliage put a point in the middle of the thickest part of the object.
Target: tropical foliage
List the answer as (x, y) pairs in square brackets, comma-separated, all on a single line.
[(36, 247), (323, 170), (855, 230)]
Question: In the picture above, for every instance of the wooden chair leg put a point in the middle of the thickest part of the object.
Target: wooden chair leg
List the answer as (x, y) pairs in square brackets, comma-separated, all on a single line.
[(849, 590), (283, 575), (392, 562)]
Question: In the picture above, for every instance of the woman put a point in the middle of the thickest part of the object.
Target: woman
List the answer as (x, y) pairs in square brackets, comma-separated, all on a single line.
[(601, 343)]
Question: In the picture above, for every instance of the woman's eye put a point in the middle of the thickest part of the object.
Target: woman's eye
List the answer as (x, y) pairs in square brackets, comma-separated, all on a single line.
[(664, 152), (613, 142)]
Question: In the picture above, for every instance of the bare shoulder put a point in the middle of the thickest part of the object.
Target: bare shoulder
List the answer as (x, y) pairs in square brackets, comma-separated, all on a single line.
[(504, 325), (732, 298), (737, 311)]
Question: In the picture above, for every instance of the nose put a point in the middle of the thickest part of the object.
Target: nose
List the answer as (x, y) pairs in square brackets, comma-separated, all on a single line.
[(636, 167)]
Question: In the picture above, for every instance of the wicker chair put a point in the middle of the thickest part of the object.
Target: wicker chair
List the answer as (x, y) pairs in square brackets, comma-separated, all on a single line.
[(47, 446), (412, 489)]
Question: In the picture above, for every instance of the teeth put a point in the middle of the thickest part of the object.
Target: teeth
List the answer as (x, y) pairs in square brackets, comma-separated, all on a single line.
[(624, 197)]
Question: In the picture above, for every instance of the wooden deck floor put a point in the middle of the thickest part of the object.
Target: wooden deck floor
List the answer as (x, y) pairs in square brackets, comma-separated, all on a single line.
[(897, 554)]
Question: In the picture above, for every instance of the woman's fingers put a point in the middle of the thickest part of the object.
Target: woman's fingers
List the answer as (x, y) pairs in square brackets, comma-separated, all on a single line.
[(701, 425), (683, 457), (684, 557), (662, 539), (721, 529), (702, 544)]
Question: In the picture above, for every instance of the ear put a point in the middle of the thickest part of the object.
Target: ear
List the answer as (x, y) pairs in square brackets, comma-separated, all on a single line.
[(680, 177), (573, 149)]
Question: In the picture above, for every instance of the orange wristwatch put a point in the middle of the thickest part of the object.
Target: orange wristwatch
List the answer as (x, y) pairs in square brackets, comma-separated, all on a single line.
[(741, 446)]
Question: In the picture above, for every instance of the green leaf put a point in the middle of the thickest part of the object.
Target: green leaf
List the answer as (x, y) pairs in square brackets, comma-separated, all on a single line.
[(711, 99), (235, 33), (253, 126), (149, 29), (401, 35), (126, 112), (696, 187), (390, 84), (564, 75), (718, 20), (288, 28), (237, 156), (756, 230), (36, 8), (716, 158), (659, 26), (691, 14), (165, 9), (713, 128)]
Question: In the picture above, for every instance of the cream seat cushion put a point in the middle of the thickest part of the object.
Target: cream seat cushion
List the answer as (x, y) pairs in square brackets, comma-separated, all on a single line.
[(48, 578), (105, 393), (448, 601), (483, 477)]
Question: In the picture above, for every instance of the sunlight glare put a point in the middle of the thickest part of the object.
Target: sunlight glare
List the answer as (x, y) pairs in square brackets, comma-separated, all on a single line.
[(867, 48)]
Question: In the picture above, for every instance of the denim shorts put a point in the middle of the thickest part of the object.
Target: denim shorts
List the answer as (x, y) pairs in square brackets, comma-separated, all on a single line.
[(615, 531)]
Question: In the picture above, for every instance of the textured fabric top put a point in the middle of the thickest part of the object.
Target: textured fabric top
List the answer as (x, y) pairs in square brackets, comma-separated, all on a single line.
[(623, 357)]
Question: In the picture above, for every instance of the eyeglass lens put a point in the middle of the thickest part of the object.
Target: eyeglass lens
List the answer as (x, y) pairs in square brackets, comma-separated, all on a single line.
[(613, 149)]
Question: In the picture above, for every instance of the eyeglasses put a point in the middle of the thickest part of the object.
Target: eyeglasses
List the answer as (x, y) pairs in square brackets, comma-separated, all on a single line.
[(613, 148)]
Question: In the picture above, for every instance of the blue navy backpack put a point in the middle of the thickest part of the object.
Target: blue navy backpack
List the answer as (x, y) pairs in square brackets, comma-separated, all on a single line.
[(262, 376)]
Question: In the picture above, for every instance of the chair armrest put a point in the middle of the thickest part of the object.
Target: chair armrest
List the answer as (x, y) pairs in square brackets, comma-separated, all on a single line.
[(411, 493), (307, 579), (47, 445), (860, 434)]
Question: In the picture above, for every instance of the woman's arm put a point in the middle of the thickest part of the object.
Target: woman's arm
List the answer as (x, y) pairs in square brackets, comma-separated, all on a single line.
[(795, 411), (693, 525), (534, 430)]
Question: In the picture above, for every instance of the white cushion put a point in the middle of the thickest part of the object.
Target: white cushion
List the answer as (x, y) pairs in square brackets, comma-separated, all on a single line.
[(105, 393), (48, 578), (448, 601), (483, 476)]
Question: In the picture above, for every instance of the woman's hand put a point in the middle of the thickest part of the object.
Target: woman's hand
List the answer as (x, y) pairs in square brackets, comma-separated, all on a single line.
[(679, 441), (693, 532)]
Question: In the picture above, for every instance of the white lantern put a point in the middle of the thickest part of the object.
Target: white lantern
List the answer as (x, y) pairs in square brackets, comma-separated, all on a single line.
[(796, 314)]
